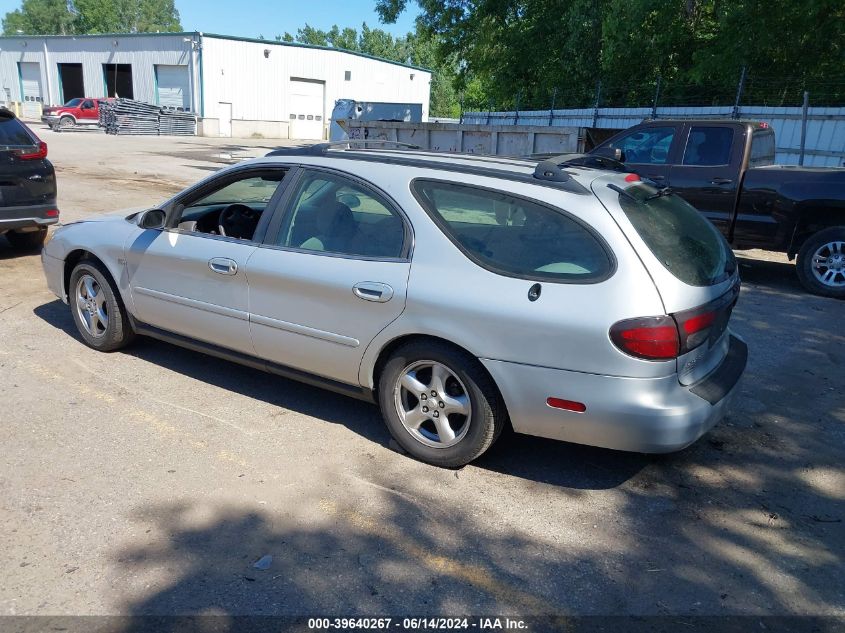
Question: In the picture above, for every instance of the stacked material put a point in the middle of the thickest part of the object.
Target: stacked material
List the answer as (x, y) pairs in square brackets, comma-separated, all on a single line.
[(177, 122), (126, 116)]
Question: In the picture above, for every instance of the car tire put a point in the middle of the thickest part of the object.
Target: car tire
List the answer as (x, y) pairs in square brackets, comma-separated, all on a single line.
[(65, 123), (455, 384), (97, 309), (821, 263), (30, 241)]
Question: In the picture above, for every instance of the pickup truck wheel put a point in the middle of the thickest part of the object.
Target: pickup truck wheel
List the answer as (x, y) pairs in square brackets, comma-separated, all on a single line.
[(27, 241), (98, 312), (65, 123), (439, 404), (821, 263)]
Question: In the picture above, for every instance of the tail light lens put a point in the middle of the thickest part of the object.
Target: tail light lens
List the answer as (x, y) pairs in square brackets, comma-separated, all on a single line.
[(651, 338), (39, 153), (669, 336)]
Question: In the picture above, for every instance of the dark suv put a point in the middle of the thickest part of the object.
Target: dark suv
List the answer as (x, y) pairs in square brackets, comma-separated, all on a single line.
[(27, 185)]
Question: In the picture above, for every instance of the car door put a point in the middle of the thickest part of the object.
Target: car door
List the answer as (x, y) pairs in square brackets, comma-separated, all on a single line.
[(331, 276), (190, 277), (88, 112), (647, 150), (708, 171)]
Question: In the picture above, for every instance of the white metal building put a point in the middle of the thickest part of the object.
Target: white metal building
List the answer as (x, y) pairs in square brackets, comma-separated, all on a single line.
[(238, 87)]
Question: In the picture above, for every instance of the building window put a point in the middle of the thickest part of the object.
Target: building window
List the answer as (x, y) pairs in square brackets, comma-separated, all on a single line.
[(347, 76)]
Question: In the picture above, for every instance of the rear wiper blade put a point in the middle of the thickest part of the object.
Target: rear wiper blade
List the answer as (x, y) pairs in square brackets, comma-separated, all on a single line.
[(666, 191), (622, 192)]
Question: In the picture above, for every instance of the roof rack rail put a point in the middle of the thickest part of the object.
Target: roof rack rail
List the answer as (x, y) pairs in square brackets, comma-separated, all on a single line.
[(320, 149)]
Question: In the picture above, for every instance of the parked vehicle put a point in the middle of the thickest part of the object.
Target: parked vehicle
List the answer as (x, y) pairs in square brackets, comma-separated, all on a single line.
[(461, 293), (76, 112), (726, 170), (27, 185)]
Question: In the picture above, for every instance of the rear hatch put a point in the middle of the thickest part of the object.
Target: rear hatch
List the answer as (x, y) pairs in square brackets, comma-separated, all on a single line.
[(691, 264), (26, 177)]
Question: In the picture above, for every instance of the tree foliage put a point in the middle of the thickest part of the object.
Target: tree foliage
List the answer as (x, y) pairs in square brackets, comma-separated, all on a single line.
[(64, 17), (526, 51)]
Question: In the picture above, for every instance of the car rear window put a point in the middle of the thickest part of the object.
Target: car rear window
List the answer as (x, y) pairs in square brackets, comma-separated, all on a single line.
[(686, 244), (13, 133), (515, 236)]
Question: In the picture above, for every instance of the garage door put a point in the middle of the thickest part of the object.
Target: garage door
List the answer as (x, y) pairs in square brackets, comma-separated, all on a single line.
[(306, 99), (30, 81), (173, 86)]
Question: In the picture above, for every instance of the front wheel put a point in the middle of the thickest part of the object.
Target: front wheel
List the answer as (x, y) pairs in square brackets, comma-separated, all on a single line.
[(98, 312), (439, 404), (821, 263)]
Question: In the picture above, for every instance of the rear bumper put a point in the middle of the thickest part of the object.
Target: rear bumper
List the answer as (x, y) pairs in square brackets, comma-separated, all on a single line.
[(23, 217), (653, 415)]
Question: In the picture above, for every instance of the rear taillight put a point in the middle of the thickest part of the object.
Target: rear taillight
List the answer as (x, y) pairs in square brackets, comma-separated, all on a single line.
[(39, 153), (669, 336), (695, 329), (651, 338)]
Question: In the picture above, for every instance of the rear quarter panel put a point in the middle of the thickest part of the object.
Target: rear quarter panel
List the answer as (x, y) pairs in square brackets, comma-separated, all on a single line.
[(775, 200)]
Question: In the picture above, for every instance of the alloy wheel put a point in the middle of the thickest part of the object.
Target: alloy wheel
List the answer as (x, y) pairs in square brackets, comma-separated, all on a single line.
[(433, 404), (828, 264), (91, 306)]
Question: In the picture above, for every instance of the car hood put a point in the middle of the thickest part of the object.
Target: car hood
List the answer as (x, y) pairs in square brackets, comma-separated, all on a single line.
[(112, 216)]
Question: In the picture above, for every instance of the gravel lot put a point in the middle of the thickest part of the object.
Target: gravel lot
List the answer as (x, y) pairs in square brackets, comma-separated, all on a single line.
[(149, 481)]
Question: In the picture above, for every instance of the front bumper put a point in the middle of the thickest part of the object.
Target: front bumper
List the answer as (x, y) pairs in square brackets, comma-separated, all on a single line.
[(22, 217), (50, 119), (645, 415), (54, 271)]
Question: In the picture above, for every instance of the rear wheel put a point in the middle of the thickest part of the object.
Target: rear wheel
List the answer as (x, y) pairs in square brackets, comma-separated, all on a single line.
[(97, 309), (31, 240), (821, 263), (439, 403)]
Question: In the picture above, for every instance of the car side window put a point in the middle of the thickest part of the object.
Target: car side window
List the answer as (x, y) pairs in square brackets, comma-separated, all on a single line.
[(515, 236), (232, 209), (331, 214), (708, 146), (87, 104), (648, 146)]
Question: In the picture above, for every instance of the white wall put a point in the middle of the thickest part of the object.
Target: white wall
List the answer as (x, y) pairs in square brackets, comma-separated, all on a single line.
[(238, 72), (142, 51)]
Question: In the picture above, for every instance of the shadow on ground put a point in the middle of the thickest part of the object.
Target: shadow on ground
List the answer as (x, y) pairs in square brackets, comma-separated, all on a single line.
[(749, 520)]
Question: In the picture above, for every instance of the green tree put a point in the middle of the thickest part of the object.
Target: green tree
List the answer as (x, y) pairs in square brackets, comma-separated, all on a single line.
[(40, 17), (527, 50), (60, 17)]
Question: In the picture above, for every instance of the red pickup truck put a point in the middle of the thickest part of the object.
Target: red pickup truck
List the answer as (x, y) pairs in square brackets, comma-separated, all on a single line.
[(76, 112)]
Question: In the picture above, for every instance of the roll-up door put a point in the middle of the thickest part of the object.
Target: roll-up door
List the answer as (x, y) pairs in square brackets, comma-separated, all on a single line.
[(173, 86)]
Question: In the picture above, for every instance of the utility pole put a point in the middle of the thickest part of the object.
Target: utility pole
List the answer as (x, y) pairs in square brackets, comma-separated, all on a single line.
[(596, 105)]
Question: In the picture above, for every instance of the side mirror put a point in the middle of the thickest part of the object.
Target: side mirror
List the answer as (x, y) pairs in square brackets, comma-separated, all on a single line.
[(616, 153), (152, 219)]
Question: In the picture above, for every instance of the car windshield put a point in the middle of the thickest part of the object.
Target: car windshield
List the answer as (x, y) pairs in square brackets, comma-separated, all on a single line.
[(73, 103), (686, 244)]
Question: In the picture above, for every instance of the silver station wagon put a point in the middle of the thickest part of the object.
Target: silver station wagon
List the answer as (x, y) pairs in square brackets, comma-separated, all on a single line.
[(461, 293)]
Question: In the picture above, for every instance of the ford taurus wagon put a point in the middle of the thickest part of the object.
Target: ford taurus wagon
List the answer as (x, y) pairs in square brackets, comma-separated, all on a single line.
[(461, 293)]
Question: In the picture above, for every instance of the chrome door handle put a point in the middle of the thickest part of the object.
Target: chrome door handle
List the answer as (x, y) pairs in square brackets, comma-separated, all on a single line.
[(223, 265), (373, 291)]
